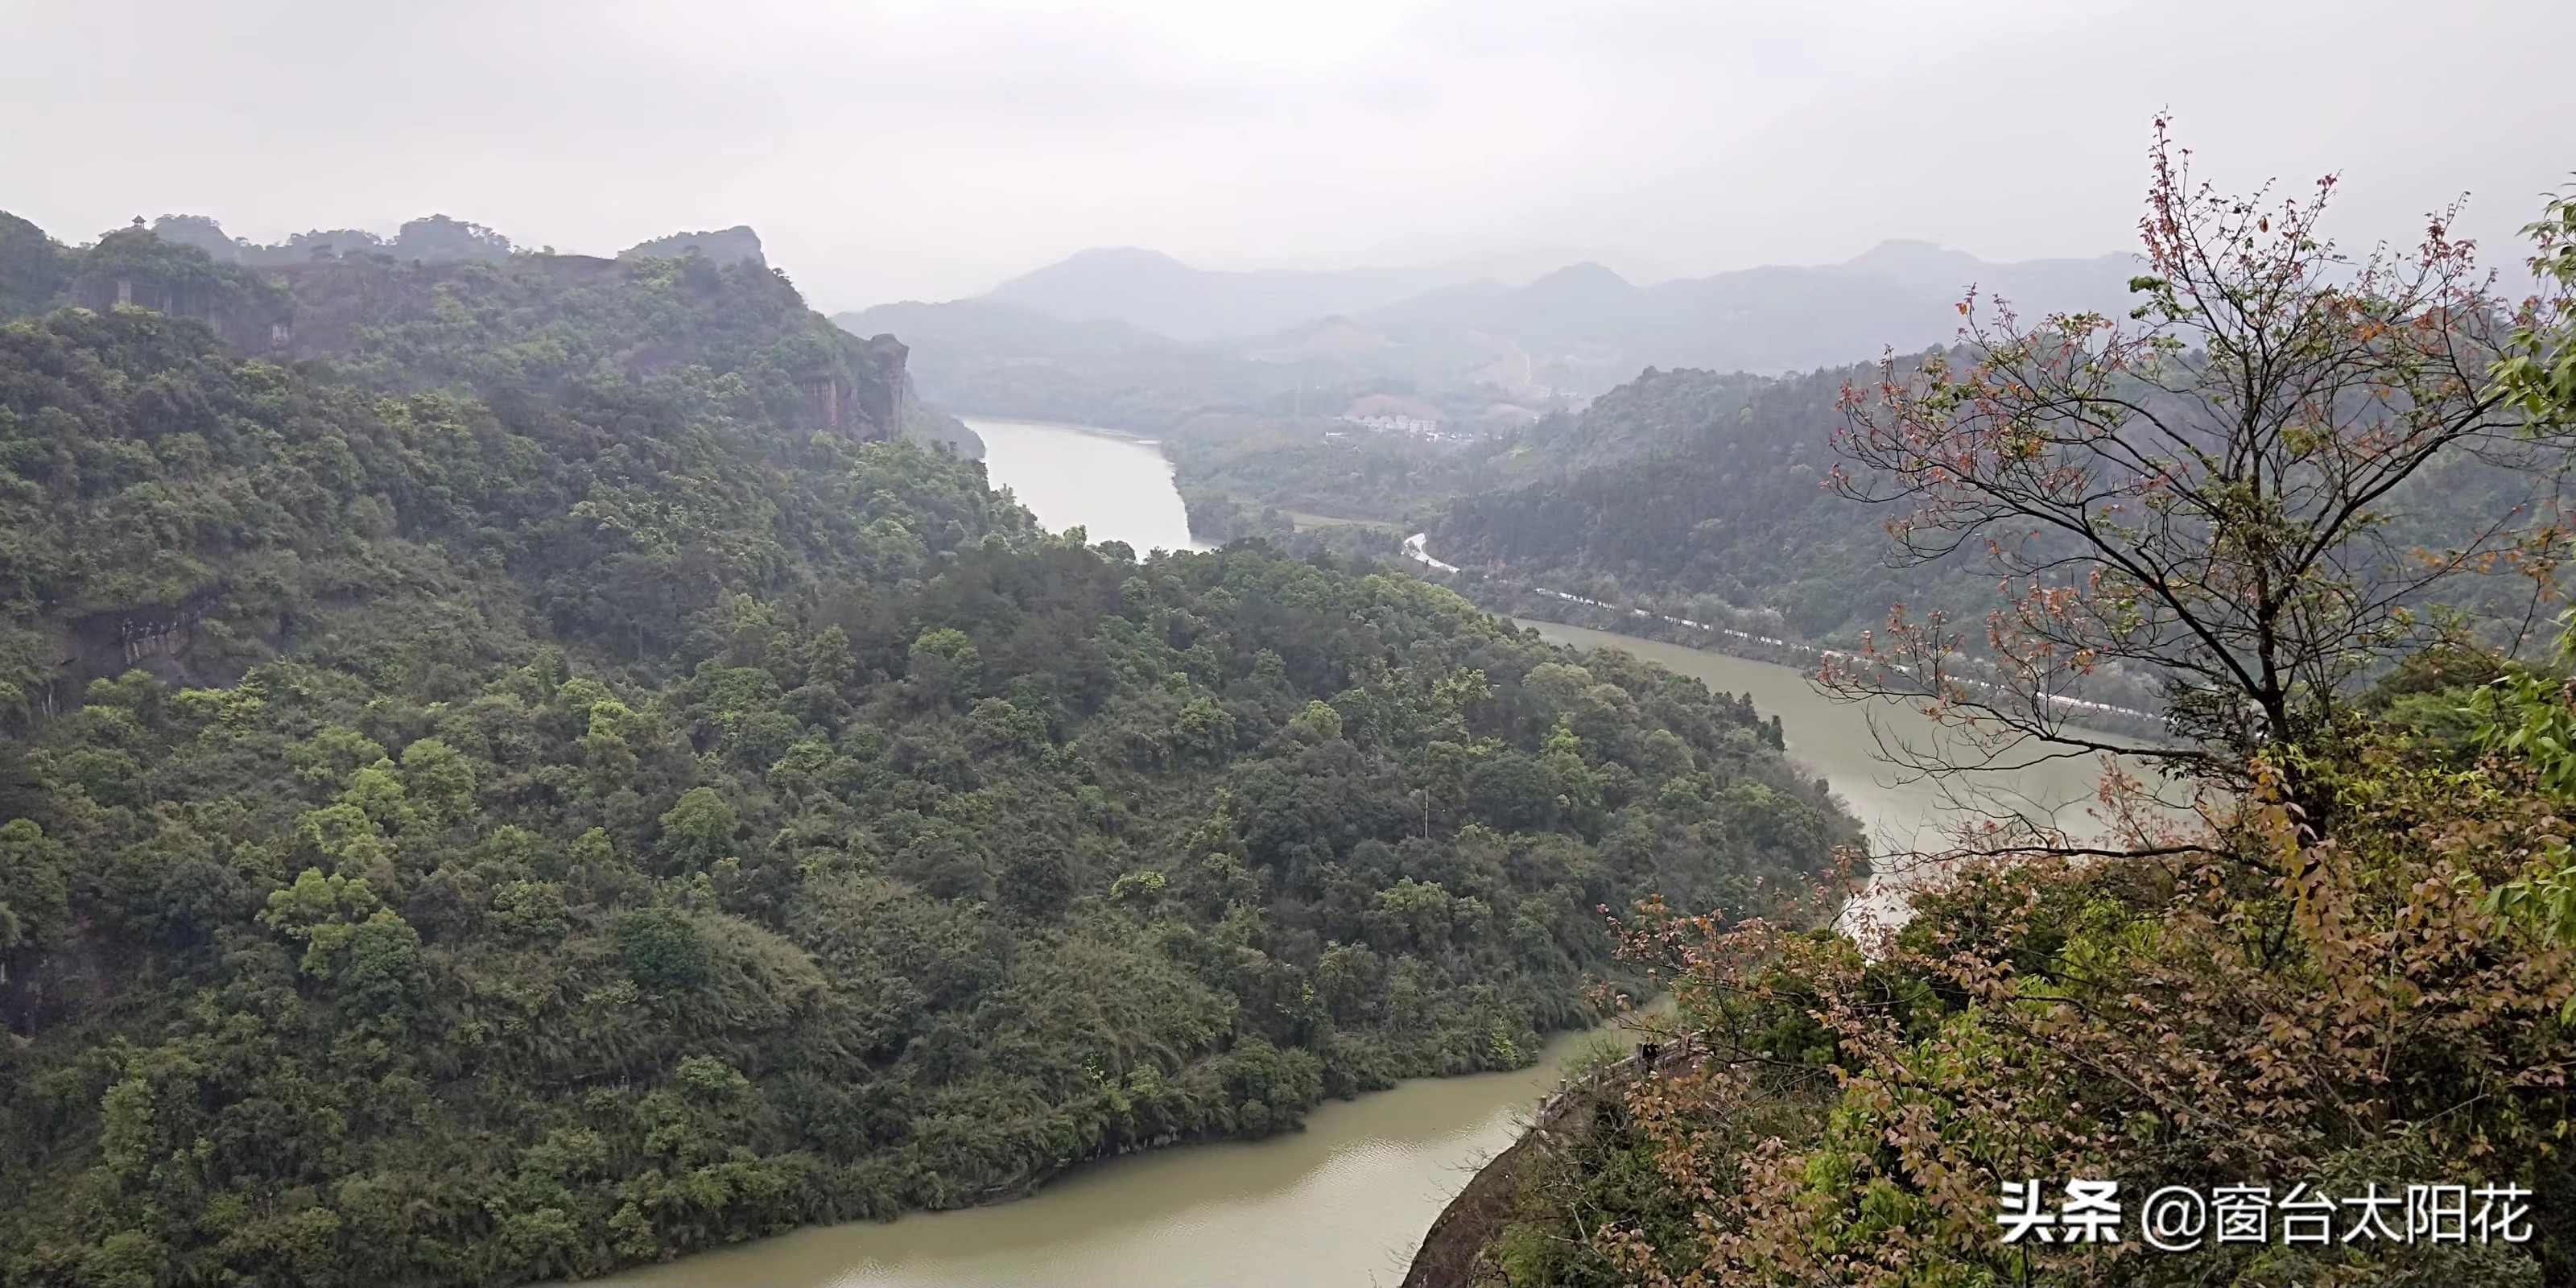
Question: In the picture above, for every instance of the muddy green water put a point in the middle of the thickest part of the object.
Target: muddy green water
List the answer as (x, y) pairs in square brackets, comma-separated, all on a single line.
[(1344, 1203), (1848, 745)]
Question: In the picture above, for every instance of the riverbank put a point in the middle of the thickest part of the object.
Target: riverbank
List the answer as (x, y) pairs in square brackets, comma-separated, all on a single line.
[(1454, 1250), (1344, 1201), (1347, 1200), (1838, 741)]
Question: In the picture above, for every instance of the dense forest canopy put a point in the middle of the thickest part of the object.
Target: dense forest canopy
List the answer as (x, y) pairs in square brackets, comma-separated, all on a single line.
[(412, 316), (1694, 483), (537, 793)]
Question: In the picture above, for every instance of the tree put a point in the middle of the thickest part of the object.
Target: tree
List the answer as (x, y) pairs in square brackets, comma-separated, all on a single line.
[(663, 949), (33, 269), (946, 667), (2538, 373), (2219, 493), (699, 830), (35, 891), (438, 239)]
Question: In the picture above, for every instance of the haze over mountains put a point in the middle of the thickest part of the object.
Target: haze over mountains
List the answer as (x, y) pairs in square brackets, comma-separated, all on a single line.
[(1137, 339), (1248, 339), (1589, 329), (1161, 294)]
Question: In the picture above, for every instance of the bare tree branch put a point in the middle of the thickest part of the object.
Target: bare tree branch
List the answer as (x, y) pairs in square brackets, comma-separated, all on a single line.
[(2207, 494)]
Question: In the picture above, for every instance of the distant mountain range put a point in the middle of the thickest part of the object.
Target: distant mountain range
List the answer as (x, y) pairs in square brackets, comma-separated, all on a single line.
[(1572, 333), (1584, 329), (1153, 291)]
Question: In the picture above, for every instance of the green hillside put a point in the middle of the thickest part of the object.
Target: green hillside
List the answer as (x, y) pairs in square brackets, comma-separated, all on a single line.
[(1707, 494), (544, 790), (1687, 483)]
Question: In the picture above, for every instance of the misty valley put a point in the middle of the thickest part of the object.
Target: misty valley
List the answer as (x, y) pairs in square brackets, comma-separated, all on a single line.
[(1703, 761)]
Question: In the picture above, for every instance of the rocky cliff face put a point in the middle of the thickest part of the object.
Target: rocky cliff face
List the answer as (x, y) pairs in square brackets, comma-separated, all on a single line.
[(889, 386), (261, 326), (134, 267)]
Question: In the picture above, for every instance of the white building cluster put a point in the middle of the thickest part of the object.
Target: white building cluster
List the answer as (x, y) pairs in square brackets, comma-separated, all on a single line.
[(1417, 426)]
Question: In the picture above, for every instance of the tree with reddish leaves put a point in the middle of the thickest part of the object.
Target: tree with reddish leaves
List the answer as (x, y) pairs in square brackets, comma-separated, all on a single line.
[(2226, 495)]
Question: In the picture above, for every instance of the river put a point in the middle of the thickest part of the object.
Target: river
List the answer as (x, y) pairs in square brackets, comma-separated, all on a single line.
[(1844, 742), (1116, 487), (1343, 1203)]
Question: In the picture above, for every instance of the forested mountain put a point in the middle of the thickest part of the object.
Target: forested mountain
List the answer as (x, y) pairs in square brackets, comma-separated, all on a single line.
[(433, 239), (1311, 466), (461, 320), (547, 788), (1120, 338), (1318, 465), (1707, 493), (1693, 483), (33, 270)]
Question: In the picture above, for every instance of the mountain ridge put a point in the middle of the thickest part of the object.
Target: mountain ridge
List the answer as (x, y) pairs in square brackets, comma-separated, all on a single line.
[(1543, 344)]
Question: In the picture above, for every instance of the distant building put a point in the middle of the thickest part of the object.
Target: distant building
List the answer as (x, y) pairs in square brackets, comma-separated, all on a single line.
[(1415, 426)]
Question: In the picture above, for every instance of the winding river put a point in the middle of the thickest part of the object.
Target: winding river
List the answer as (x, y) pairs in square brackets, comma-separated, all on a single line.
[(1343, 1203)]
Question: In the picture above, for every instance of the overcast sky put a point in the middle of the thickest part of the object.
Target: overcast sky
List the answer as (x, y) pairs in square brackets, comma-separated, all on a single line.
[(930, 148)]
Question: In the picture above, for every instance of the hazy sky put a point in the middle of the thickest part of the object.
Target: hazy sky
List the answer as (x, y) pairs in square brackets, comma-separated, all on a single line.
[(930, 148)]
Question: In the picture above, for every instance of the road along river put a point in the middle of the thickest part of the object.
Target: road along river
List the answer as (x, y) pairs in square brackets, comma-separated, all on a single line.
[(1343, 1203)]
